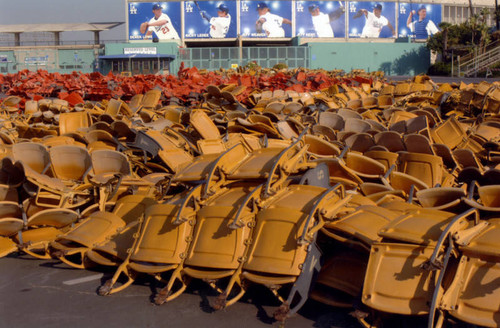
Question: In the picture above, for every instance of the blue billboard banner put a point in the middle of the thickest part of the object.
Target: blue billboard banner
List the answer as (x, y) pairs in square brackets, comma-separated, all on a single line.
[(209, 19), (419, 20), (320, 19), (372, 19), (159, 21), (266, 19)]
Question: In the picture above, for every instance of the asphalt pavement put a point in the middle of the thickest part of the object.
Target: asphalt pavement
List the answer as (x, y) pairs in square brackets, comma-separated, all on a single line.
[(48, 293), (446, 79)]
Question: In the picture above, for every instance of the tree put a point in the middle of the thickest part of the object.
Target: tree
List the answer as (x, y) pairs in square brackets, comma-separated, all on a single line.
[(464, 37)]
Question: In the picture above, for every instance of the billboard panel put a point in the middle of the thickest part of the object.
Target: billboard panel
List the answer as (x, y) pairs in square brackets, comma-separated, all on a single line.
[(419, 20), (38, 60), (320, 19), (163, 20), (266, 19), (372, 19), (209, 19)]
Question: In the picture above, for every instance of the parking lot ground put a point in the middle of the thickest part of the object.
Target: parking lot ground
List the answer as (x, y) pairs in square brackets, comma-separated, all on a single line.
[(48, 293)]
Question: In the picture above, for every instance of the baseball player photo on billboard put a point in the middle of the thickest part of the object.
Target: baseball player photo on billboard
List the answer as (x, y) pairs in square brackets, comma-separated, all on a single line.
[(156, 21), (419, 21), (209, 19), (372, 19), (266, 19), (320, 19)]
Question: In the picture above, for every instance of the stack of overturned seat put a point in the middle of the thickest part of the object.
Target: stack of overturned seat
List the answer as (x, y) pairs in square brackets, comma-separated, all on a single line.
[(381, 189)]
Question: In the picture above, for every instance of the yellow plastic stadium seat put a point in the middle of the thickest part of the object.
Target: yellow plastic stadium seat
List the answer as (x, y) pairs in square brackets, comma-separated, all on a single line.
[(360, 227), (284, 230), (73, 122), (449, 133), (162, 244), (72, 246), (341, 279), (426, 168), (394, 281), (474, 295)]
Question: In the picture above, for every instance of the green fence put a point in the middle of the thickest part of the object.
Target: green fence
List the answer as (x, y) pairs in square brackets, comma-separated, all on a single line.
[(215, 58)]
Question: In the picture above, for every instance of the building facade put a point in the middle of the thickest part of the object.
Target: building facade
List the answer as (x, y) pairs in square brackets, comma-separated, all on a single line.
[(311, 34)]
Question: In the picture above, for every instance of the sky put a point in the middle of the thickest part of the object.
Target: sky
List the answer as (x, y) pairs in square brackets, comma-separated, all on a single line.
[(67, 11)]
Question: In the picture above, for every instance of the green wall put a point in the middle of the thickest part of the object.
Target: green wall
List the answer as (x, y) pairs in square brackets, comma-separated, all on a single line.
[(76, 60), (54, 60), (393, 58), (8, 65)]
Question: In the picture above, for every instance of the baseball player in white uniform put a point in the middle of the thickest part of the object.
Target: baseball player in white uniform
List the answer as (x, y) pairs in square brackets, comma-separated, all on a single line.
[(423, 27), (375, 22), (219, 25), (161, 25), (321, 21), (271, 24)]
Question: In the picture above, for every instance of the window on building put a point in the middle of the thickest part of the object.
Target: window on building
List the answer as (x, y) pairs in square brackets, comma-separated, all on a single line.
[(125, 65), (465, 13), (446, 13), (460, 14)]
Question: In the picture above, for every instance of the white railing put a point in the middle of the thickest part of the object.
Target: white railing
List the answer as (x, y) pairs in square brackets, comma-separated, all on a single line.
[(480, 62)]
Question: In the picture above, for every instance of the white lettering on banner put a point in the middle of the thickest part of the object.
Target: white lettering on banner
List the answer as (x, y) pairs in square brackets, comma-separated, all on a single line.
[(402, 10), (41, 60), (140, 51), (133, 10), (244, 7), (189, 8), (300, 7), (352, 7), (197, 35), (306, 35)]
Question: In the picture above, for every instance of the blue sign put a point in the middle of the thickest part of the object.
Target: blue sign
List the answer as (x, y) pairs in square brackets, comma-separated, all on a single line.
[(163, 21), (209, 19), (372, 19), (320, 19), (266, 19), (419, 20)]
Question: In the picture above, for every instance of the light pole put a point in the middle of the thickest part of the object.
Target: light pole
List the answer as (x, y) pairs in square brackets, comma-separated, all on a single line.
[(452, 68), (497, 14)]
